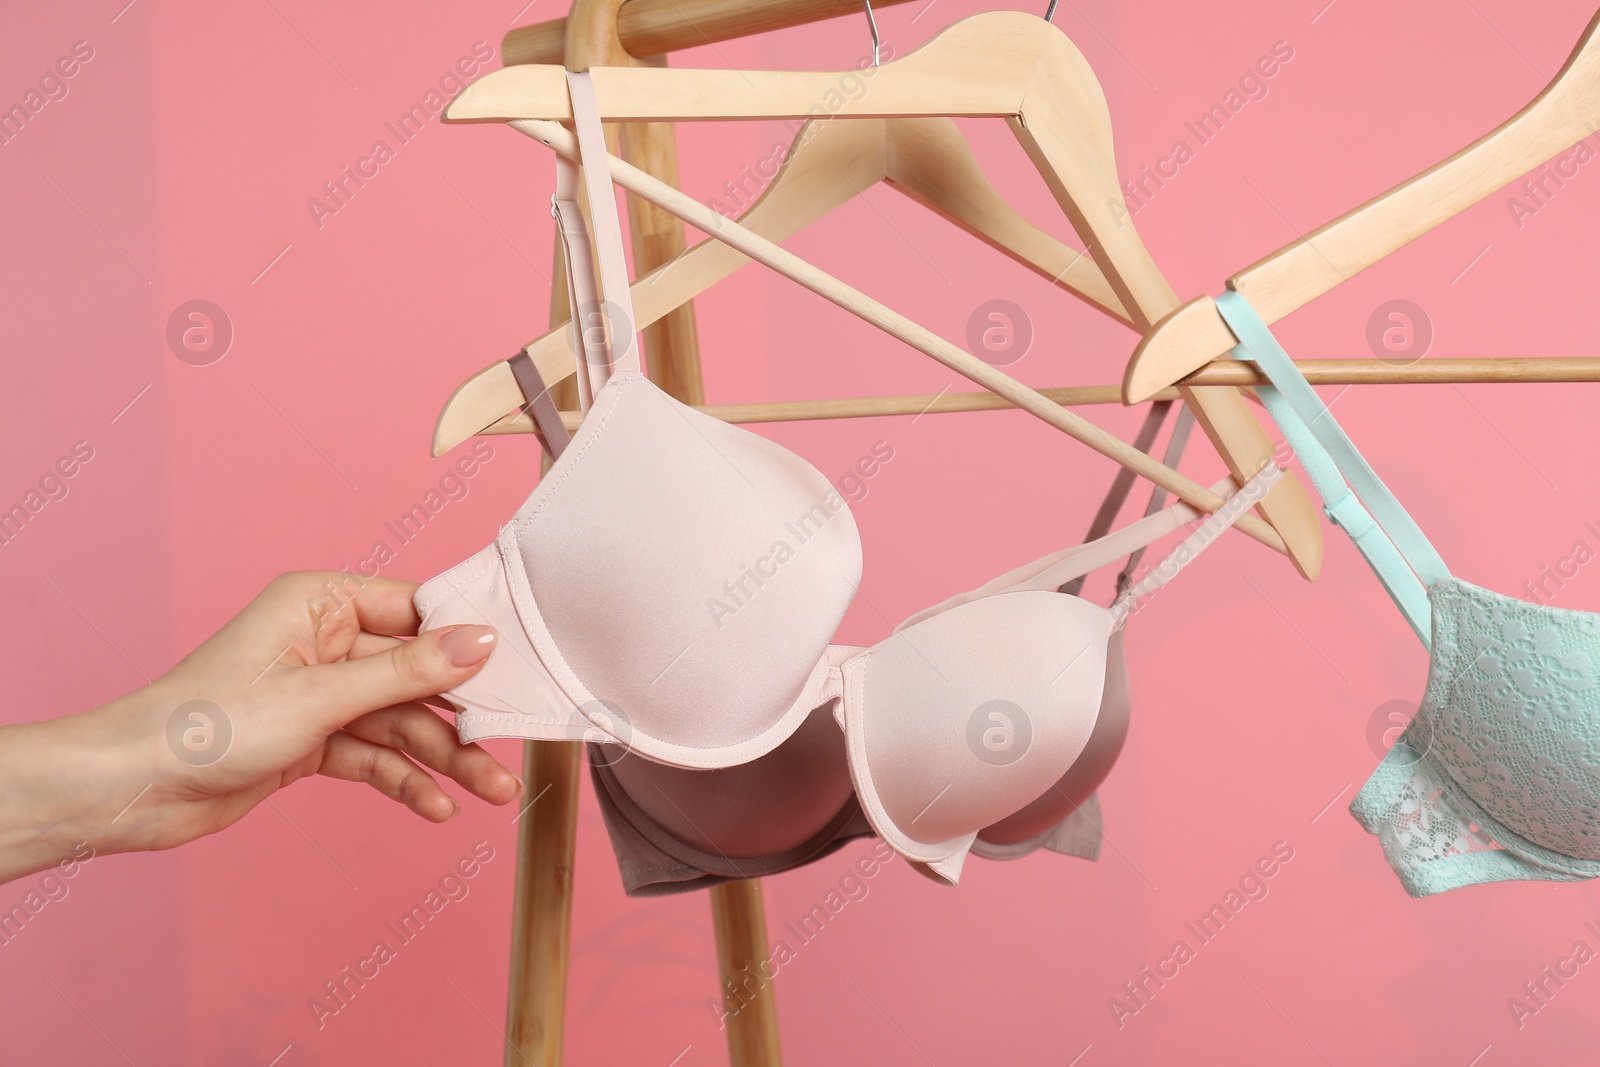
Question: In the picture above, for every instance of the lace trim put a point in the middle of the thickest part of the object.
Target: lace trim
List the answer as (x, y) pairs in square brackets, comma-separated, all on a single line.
[(1498, 776)]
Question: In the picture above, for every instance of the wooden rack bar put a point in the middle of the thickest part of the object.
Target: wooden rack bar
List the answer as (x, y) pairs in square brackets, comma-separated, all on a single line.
[(655, 27), (1222, 372), (1422, 372)]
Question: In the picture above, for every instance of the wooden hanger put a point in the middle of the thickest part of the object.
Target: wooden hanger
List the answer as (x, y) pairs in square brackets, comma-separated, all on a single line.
[(982, 66), (1001, 64), (897, 325), (1567, 111), (927, 159)]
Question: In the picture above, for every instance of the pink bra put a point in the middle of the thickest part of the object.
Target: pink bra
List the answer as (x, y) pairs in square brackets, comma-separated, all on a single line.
[(673, 584)]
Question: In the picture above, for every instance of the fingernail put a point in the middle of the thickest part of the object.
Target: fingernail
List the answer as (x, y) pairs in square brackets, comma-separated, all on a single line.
[(468, 645), (456, 804)]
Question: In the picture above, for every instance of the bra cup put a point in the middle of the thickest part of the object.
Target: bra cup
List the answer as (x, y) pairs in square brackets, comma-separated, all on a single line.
[(1089, 770), (688, 574), (966, 717), (1512, 713), (513, 694), (769, 805)]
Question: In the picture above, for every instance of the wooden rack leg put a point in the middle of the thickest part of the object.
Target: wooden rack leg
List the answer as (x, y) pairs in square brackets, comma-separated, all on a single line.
[(547, 837), (740, 918), (541, 925)]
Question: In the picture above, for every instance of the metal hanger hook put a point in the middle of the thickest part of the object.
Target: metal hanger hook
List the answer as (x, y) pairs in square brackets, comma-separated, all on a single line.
[(1050, 12), (872, 23)]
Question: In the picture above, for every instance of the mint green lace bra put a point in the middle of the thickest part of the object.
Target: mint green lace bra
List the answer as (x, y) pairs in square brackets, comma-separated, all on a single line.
[(1498, 776)]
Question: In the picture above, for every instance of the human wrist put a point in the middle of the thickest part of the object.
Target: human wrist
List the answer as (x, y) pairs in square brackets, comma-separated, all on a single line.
[(63, 785)]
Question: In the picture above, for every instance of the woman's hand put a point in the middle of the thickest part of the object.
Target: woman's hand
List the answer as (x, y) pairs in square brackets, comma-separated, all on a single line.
[(313, 677)]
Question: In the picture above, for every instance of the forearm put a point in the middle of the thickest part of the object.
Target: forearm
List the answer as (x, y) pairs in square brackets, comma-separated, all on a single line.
[(62, 784)]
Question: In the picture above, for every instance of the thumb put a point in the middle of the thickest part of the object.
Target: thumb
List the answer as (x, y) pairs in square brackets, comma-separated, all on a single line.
[(428, 664)]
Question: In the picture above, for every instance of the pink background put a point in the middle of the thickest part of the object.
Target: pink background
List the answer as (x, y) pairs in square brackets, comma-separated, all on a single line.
[(178, 168)]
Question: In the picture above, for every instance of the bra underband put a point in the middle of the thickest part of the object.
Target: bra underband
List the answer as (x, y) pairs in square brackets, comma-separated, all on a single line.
[(653, 862), (1497, 777)]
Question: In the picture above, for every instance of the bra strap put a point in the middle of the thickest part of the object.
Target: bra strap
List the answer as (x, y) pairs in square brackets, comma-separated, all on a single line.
[(1158, 496), (1399, 553), (589, 346), (1121, 486), (1232, 510), (611, 319), (546, 416)]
